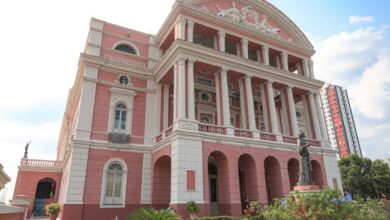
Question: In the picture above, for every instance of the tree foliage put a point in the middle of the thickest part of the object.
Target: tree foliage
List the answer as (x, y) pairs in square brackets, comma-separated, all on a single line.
[(364, 178), (152, 214)]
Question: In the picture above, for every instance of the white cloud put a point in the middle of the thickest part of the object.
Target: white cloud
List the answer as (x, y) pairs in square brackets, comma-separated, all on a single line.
[(360, 19), (371, 95)]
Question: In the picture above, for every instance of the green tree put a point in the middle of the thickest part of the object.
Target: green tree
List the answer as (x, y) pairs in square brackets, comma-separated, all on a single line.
[(381, 176)]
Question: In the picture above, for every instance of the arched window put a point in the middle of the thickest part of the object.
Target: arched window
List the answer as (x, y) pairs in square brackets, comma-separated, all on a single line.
[(125, 48), (114, 183), (120, 117)]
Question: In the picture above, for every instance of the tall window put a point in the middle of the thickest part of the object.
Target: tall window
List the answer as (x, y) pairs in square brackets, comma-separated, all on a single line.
[(125, 48), (114, 183), (120, 117)]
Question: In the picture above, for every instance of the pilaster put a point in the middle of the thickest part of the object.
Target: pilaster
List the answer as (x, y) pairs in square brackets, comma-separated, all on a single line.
[(221, 40)]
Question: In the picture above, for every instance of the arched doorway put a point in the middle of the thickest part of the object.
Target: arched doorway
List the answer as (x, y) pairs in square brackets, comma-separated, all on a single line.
[(43, 195), (248, 178), (316, 174), (293, 172), (219, 195), (273, 178), (161, 193)]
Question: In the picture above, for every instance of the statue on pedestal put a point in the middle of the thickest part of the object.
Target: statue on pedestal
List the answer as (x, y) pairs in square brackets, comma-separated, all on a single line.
[(26, 150), (305, 166)]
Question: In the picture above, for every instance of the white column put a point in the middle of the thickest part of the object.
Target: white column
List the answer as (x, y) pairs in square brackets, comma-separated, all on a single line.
[(190, 31), (293, 115), (179, 108), (311, 69), (180, 29), (221, 40), (191, 92), (264, 105), (251, 108), (225, 97), (157, 104), (315, 118), (284, 112), (321, 116), (298, 65), (242, 104), (271, 101), (218, 98), (285, 60), (307, 116), (305, 65), (166, 106), (244, 46), (265, 52)]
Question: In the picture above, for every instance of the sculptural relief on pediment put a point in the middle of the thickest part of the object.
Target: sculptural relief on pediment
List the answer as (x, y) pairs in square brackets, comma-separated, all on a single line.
[(244, 14)]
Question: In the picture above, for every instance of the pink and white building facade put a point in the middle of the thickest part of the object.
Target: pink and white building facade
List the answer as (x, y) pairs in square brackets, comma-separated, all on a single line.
[(207, 109)]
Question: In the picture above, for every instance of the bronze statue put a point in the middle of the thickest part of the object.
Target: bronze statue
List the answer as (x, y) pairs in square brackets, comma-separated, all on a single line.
[(26, 149), (305, 165)]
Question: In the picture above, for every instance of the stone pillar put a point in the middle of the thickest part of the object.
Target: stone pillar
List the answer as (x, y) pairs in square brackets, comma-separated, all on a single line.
[(180, 29), (314, 115), (311, 69), (158, 104), (293, 115), (272, 109), (284, 113), (307, 116), (225, 97), (244, 46), (221, 41), (265, 53), (218, 97), (242, 104), (305, 64), (191, 92), (250, 106), (284, 57), (299, 69), (264, 105), (179, 91), (190, 31)]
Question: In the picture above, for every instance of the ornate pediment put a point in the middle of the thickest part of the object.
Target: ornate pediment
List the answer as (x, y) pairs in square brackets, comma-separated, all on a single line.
[(255, 14)]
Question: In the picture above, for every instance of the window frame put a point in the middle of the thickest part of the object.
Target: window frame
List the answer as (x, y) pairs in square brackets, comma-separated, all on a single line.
[(127, 43), (123, 192)]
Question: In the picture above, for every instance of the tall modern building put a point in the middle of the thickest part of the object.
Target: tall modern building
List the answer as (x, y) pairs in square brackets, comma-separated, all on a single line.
[(339, 121), (208, 109)]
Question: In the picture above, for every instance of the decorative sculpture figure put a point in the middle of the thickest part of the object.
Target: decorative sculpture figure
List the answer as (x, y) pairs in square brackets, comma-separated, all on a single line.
[(26, 149), (305, 165), (232, 13)]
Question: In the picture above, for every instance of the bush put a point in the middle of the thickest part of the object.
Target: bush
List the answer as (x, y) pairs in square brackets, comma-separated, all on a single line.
[(152, 214), (53, 208), (191, 207)]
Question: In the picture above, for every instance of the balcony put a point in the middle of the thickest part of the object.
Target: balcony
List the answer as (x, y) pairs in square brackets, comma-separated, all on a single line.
[(41, 164)]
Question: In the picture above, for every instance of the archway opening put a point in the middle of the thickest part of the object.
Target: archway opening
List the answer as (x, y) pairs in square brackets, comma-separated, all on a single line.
[(273, 178), (219, 195), (317, 174), (161, 193), (293, 172), (248, 178), (44, 194)]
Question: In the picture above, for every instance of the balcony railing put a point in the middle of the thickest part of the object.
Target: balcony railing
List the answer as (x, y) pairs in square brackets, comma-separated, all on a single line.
[(313, 143), (243, 133), (290, 140), (40, 163), (169, 131), (212, 128), (267, 136)]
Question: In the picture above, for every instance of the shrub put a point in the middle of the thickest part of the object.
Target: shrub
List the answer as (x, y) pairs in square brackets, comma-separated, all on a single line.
[(191, 207), (53, 208), (152, 214)]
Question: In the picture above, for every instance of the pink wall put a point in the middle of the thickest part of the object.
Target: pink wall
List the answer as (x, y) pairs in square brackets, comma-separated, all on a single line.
[(13, 216), (27, 182)]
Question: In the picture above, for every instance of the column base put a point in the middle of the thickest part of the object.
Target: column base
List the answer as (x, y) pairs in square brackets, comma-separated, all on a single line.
[(229, 130), (186, 124)]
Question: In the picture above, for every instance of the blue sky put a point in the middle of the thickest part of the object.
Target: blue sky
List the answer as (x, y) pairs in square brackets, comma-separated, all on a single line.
[(41, 43)]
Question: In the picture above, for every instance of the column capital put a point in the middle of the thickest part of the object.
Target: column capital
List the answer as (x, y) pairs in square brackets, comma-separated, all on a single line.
[(221, 34), (264, 48), (289, 87), (181, 60), (182, 21), (244, 41), (248, 76), (224, 69), (190, 23), (191, 61), (269, 83), (284, 53)]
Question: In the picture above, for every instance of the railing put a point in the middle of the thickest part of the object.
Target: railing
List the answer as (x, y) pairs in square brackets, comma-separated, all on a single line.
[(243, 133), (40, 163), (212, 128), (313, 143), (268, 136), (290, 140), (169, 131), (158, 138), (127, 62)]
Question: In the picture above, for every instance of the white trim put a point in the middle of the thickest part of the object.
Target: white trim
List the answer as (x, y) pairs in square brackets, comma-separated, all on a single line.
[(128, 43), (123, 184)]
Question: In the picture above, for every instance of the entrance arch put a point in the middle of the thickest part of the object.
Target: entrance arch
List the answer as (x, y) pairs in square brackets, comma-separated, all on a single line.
[(273, 178), (248, 178), (293, 172), (317, 174), (44, 194), (219, 194), (161, 193)]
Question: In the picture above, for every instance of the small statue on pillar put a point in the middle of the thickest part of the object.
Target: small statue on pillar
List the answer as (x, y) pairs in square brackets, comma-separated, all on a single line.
[(26, 149), (305, 166)]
